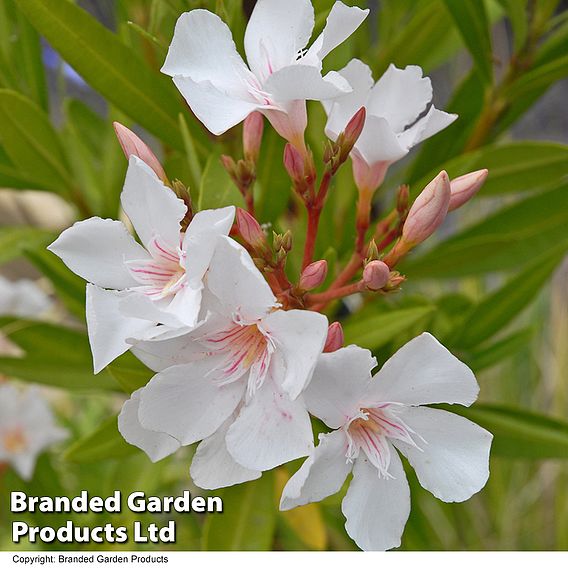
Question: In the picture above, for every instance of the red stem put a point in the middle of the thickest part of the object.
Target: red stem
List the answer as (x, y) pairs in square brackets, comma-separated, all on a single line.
[(313, 301)]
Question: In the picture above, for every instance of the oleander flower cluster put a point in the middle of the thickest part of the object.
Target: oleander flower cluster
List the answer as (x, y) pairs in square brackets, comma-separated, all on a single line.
[(243, 352)]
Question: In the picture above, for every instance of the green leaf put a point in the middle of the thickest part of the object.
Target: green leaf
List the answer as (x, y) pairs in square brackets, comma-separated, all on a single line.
[(102, 444), (498, 309), (54, 356), (110, 67), (520, 433), (513, 168), (471, 20), (375, 331), (517, 12), (31, 141), (504, 241), (538, 79), (13, 240), (217, 189), (248, 520), (496, 353)]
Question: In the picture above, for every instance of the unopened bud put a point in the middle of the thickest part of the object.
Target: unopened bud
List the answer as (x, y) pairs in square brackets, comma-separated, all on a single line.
[(352, 132), (313, 275), (294, 163), (253, 128), (251, 231), (463, 188), (229, 165), (428, 211), (334, 339), (132, 145), (376, 275)]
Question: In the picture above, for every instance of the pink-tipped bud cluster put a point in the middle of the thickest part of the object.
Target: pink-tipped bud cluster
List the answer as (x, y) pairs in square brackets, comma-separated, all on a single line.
[(251, 231), (253, 129), (313, 275), (376, 275), (463, 188), (132, 145), (335, 338), (352, 131), (428, 211)]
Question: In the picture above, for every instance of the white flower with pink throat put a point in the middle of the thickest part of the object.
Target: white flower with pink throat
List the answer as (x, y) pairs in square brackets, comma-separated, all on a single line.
[(282, 73), (236, 381), (374, 418), (139, 291), (27, 428)]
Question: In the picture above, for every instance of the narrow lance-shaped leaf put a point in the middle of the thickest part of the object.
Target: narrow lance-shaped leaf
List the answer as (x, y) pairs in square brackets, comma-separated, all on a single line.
[(110, 67), (505, 241), (520, 433), (505, 304), (471, 19)]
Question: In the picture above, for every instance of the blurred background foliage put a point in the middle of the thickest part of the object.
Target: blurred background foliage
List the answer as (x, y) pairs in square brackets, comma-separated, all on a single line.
[(492, 287)]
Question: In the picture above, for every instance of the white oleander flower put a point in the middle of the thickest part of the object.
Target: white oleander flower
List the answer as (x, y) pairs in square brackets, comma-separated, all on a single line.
[(400, 115), (372, 418), (137, 290), (235, 381), (27, 428), (23, 298), (281, 73)]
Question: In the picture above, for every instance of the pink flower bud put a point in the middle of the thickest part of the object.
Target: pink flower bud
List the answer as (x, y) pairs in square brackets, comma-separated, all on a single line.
[(376, 275), (132, 145), (428, 211), (334, 339), (252, 135), (354, 128), (250, 230), (463, 188), (313, 275), (293, 162)]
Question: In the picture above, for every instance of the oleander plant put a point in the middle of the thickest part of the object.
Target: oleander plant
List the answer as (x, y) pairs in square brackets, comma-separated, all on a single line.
[(245, 252)]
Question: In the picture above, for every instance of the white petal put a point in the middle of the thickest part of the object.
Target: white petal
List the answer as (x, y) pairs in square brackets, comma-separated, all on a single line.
[(201, 239), (108, 328), (305, 82), (186, 305), (424, 372), (184, 403), (376, 508), (275, 34), (156, 445), (340, 379), (400, 96), (203, 49), (270, 430), (24, 463), (434, 121), (217, 110), (341, 110), (378, 142), (213, 466), (96, 249), (152, 207), (341, 22), (237, 282), (140, 306), (299, 337), (321, 475), (454, 463)]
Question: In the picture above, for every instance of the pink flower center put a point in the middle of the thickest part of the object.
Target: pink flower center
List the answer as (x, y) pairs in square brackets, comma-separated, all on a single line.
[(163, 274), (247, 348), (14, 441), (370, 431)]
